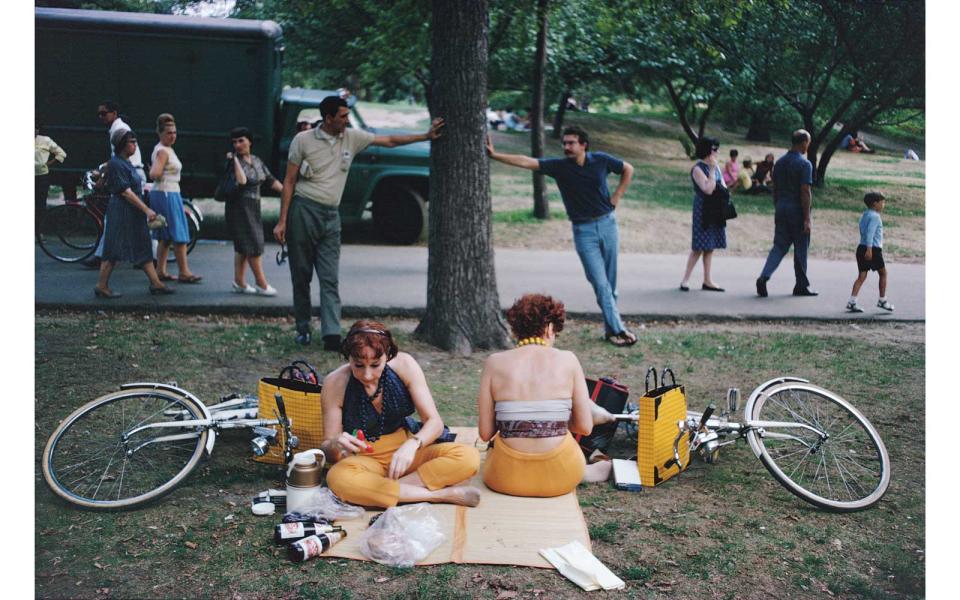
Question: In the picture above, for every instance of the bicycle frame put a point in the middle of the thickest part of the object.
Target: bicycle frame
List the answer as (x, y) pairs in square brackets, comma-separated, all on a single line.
[(216, 417)]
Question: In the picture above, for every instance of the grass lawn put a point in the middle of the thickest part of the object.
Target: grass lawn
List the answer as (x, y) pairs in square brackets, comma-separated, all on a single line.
[(722, 531)]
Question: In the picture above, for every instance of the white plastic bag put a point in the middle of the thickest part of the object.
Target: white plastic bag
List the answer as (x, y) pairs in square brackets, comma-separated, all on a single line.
[(402, 536), (324, 505)]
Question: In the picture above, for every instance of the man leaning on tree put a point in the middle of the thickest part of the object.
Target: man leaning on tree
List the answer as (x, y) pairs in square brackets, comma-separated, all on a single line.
[(582, 179), (309, 224)]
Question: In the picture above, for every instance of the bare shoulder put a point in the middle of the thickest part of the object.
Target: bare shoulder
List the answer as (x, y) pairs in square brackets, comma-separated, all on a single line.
[(336, 381), (403, 364)]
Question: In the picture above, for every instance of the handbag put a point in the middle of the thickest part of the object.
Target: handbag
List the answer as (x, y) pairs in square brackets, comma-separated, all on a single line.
[(302, 402), (227, 188), (729, 210), (661, 408), (717, 206), (612, 396)]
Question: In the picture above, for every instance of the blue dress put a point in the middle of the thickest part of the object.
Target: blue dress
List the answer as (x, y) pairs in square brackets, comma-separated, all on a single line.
[(165, 199), (126, 237), (714, 236)]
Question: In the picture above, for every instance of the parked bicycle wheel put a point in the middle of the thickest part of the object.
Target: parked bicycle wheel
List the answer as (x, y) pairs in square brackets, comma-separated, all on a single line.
[(844, 468), (98, 459), (69, 233)]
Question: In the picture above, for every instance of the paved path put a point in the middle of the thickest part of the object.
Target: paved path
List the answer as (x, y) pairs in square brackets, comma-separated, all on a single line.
[(381, 279)]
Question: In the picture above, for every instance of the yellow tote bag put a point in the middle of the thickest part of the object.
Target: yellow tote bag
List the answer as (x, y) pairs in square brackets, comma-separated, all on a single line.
[(660, 410), (302, 403)]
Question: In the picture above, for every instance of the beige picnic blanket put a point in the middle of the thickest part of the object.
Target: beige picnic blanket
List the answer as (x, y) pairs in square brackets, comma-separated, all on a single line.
[(501, 530)]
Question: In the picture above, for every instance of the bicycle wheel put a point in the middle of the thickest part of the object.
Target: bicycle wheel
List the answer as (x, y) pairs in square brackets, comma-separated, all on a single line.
[(69, 233), (193, 224), (93, 460), (845, 470)]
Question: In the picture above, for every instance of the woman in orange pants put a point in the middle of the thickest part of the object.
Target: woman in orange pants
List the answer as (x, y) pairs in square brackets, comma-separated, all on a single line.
[(530, 399), (374, 393)]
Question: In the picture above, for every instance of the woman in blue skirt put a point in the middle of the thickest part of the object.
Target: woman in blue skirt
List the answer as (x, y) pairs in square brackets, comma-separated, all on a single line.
[(165, 199), (706, 177), (126, 237)]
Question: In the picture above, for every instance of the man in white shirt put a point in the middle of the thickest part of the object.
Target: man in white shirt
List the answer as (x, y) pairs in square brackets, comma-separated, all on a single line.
[(309, 224)]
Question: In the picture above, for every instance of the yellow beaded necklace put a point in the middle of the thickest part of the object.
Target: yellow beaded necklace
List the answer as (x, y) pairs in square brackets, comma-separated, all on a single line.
[(535, 341)]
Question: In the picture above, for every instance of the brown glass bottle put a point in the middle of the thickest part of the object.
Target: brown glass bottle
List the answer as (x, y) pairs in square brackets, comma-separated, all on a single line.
[(313, 546), (287, 533)]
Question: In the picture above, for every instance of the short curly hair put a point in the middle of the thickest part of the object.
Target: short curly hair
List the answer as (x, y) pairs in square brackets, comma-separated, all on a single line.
[(530, 315), (367, 333)]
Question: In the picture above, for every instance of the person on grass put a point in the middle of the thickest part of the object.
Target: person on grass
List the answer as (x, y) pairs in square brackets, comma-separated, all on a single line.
[(374, 392), (582, 179), (705, 238), (870, 252), (531, 398)]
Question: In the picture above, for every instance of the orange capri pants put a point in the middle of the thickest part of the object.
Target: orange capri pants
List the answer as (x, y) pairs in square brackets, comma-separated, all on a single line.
[(543, 475), (362, 478)]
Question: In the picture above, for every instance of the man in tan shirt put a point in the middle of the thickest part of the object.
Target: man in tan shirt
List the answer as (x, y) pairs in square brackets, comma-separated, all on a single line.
[(309, 224)]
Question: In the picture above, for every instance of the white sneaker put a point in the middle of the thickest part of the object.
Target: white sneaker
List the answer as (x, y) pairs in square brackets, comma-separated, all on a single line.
[(885, 305), (852, 307), (267, 291), (243, 289)]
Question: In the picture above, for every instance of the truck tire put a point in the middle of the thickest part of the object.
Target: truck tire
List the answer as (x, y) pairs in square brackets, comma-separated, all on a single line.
[(400, 214)]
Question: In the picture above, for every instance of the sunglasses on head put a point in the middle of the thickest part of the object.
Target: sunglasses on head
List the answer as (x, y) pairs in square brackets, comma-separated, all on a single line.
[(282, 254)]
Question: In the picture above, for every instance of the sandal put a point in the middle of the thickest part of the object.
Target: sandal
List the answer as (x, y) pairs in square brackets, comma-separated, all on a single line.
[(111, 295), (161, 291), (189, 279), (166, 277), (622, 339)]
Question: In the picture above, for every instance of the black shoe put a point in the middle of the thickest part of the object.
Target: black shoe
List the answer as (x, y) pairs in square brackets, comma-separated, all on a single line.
[(761, 287), (303, 339), (91, 263), (684, 288), (331, 343), (804, 292), (709, 288)]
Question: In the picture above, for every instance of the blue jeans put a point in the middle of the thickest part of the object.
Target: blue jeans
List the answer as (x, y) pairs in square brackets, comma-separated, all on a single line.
[(788, 230), (597, 243)]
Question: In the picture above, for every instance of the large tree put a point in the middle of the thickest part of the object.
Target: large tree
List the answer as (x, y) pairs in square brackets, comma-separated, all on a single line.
[(840, 65), (463, 306)]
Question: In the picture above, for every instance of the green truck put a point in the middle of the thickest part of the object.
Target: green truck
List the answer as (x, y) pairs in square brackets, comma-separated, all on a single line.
[(212, 75)]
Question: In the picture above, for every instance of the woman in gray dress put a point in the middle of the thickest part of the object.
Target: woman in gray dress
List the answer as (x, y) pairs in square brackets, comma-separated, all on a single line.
[(243, 213)]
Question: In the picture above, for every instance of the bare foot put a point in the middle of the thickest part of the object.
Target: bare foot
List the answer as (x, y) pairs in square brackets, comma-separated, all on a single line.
[(463, 495), (598, 471)]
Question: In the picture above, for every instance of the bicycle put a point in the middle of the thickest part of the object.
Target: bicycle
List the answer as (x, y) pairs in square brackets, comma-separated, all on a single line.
[(70, 232), (815, 444), (133, 446)]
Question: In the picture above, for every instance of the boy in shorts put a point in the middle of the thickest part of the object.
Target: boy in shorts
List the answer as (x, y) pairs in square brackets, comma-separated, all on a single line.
[(870, 252)]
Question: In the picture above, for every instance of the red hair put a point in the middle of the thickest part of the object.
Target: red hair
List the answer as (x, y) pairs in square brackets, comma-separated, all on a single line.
[(530, 315), (367, 333)]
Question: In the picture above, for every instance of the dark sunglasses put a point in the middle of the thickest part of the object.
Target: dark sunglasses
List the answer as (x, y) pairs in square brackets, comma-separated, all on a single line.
[(715, 148), (282, 254), (102, 113)]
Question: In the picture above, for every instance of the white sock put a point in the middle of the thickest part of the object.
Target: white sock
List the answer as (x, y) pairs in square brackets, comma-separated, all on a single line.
[(853, 300), (883, 298)]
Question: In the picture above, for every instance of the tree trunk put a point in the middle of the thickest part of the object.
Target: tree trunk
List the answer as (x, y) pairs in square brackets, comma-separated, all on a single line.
[(759, 129), (541, 210), (561, 111), (463, 307)]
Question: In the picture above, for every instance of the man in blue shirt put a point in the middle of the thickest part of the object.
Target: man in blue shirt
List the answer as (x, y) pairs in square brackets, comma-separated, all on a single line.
[(582, 179), (792, 178)]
